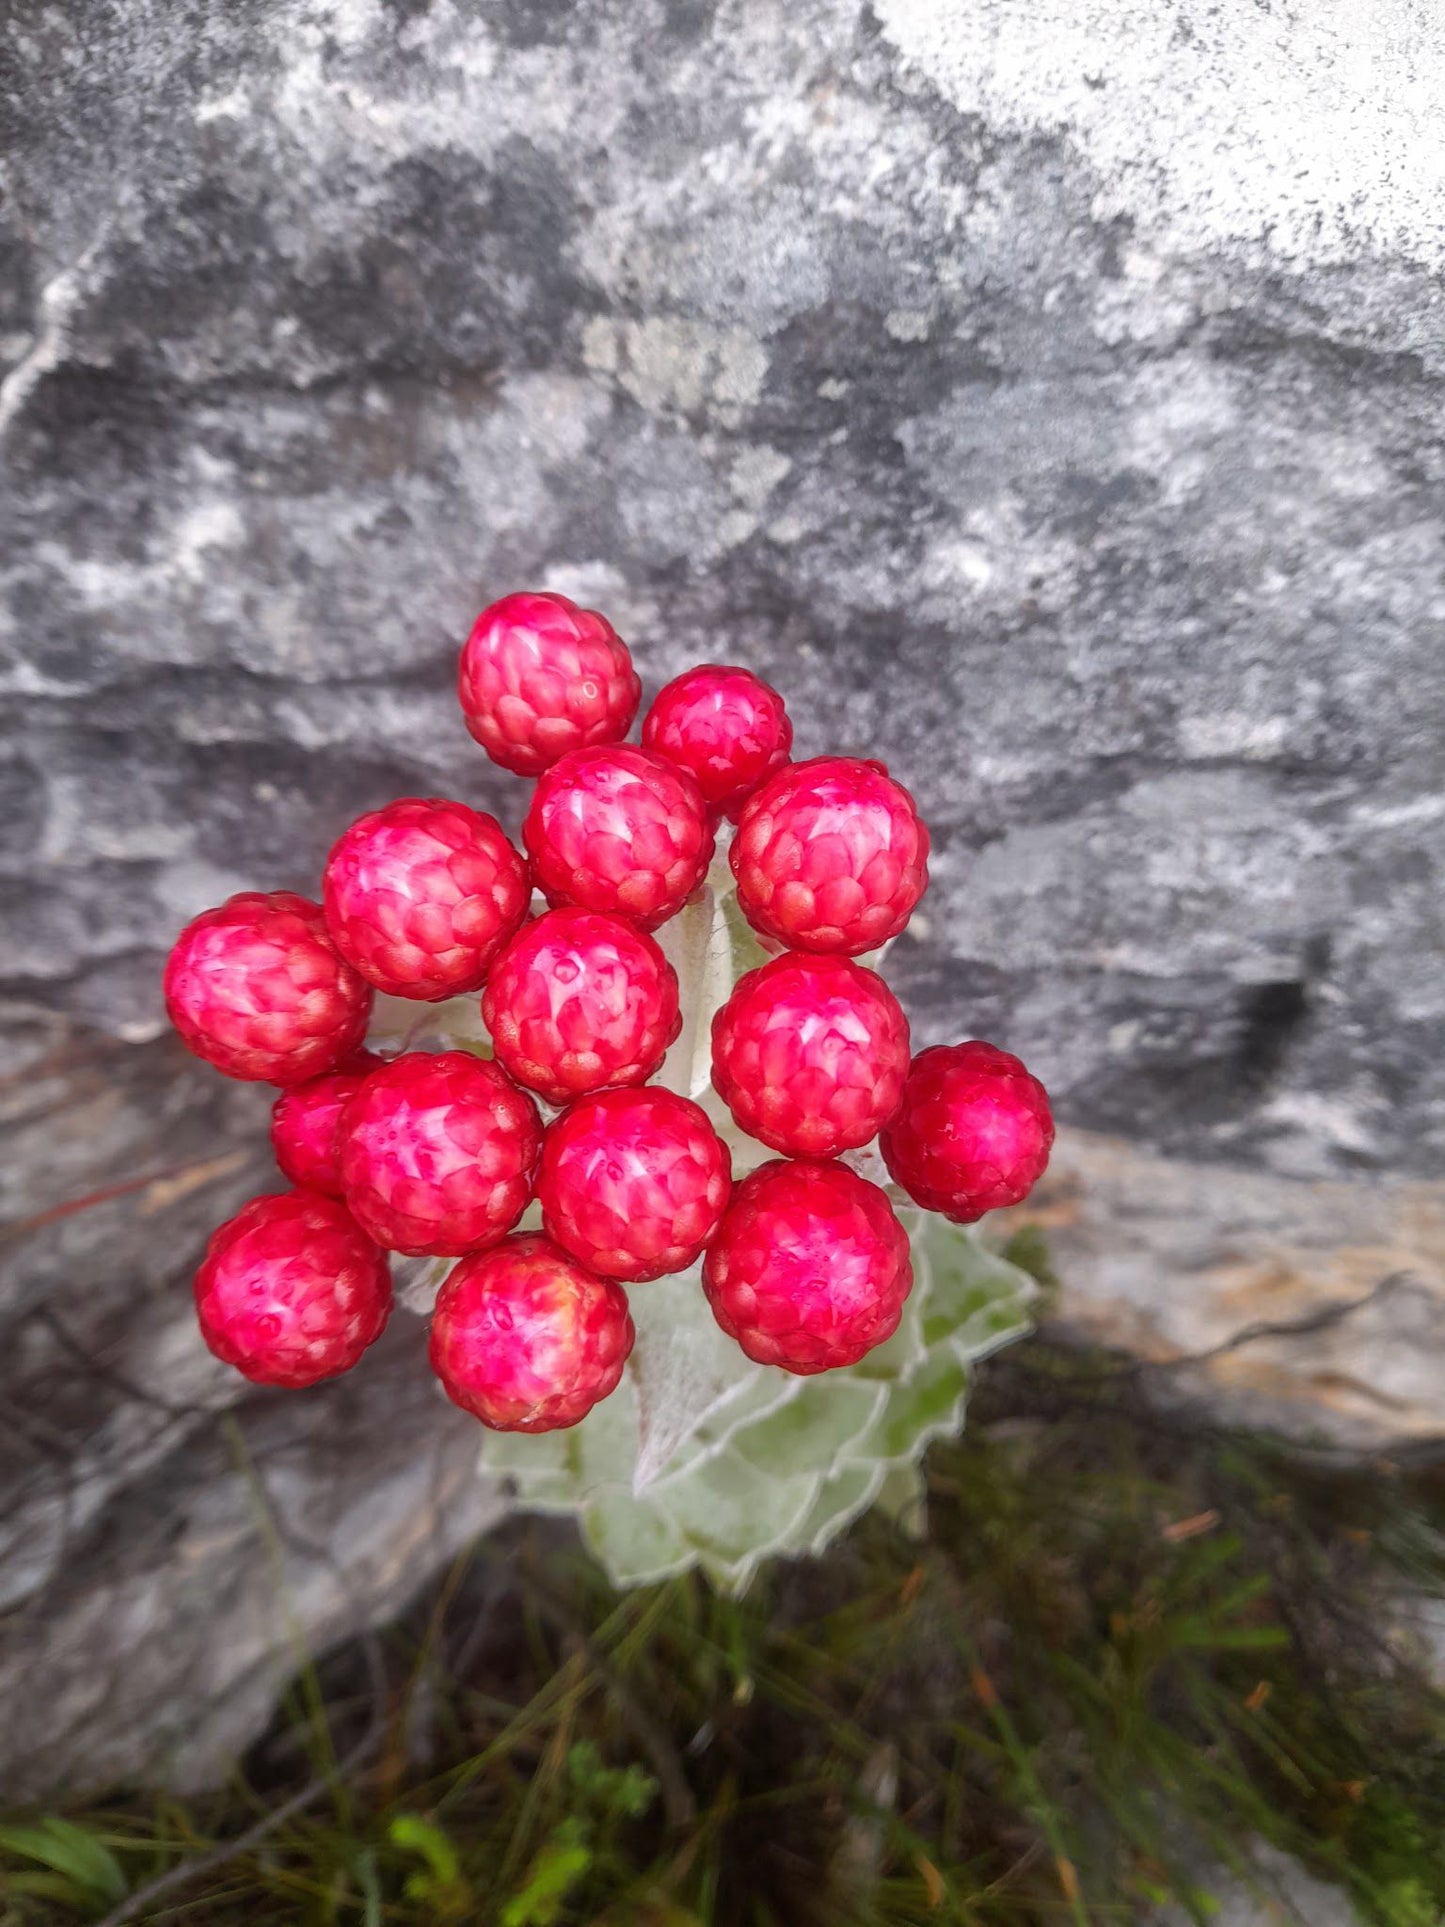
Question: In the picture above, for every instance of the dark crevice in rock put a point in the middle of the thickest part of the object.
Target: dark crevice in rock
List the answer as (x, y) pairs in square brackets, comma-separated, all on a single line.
[(1252, 341), (1271, 1017)]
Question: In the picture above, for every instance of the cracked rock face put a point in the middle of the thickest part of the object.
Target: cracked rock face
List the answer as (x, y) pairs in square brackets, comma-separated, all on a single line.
[(1048, 400)]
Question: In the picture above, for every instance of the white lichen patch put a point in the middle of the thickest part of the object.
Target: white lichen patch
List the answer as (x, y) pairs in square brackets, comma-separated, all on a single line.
[(908, 324), (757, 472), (672, 365)]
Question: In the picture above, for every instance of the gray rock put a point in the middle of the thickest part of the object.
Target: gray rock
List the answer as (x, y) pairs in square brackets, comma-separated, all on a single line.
[(798, 334), (1315, 1310), (1269, 1889), (169, 1536), (1048, 399)]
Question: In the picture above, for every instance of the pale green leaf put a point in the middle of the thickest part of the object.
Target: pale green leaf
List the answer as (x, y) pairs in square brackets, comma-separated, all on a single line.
[(928, 1404), (812, 1430), (634, 1536), (70, 1851), (731, 1511)]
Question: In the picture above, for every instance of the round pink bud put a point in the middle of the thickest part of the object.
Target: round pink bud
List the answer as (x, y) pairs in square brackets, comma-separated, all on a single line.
[(306, 1124), (539, 676), (438, 1152), (526, 1339), (830, 855), (725, 726), (620, 831), (973, 1133), (579, 1003), (291, 1290), (257, 988), (810, 1053), (420, 896), (633, 1183), (810, 1268)]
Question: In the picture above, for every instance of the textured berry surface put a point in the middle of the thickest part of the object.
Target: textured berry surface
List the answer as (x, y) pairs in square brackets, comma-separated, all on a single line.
[(539, 676), (633, 1183), (527, 1339), (810, 1053), (810, 1268), (620, 831), (579, 1003), (438, 1153), (973, 1133), (420, 896), (291, 1290), (830, 856), (725, 726), (306, 1124), (257, 988)]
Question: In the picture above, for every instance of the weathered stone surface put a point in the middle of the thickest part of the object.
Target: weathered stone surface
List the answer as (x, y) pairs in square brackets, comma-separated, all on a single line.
[(169, 1535), (1269, 1890), (1079, 454), (1048, 398), (163, 1640), (1316, 1308)]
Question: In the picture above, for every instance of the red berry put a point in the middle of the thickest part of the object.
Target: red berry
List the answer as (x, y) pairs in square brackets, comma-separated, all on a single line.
[(633, 1183), (973, 1133), (438, 1151), (420, 896), (579, 1003), (291, 1290), (810, 1053), (809, 1268), (526, 1339), (830, 855), (621, 831), (725, 726), (257, 989), (306, 1124), (539, 676)]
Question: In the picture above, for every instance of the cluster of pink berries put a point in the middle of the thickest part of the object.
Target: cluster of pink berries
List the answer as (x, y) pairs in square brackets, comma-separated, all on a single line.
[(440, 1153)]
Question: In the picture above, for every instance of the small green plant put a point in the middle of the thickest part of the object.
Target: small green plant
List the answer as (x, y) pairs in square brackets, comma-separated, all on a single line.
[(74, 1867), (438, 1884), (603, 1794)]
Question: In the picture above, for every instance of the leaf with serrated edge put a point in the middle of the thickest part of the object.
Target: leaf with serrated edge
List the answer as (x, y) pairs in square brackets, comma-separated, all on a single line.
[(974, 1294), (636, 1539), (904, 1350), (924, 1404), (840, 1500), (764, 1390), (730, 1510), (903, 1498), (811, 1430)]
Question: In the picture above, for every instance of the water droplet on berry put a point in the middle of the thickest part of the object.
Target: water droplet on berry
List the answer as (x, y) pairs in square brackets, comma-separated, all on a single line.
[(566, 970)]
